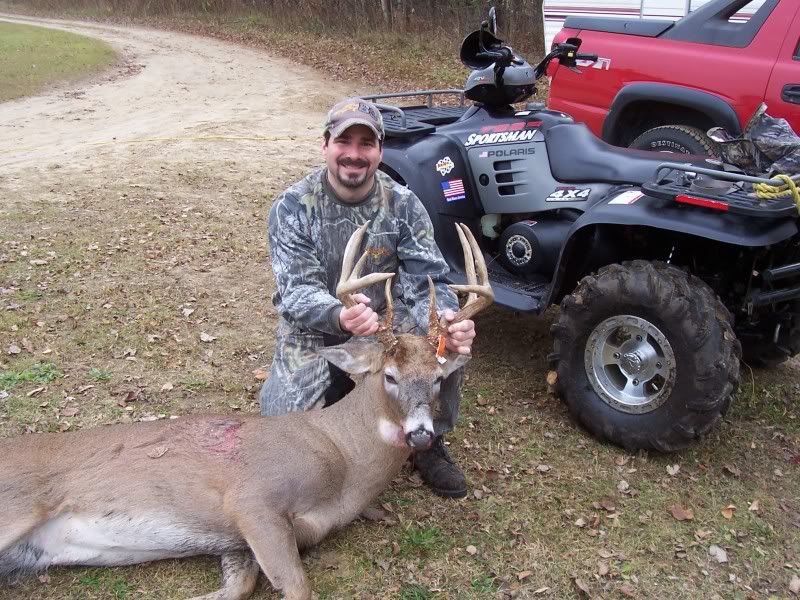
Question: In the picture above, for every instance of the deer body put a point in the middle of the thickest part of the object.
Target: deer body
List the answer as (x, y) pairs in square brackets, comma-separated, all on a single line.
[(124, 494), (253, 490)]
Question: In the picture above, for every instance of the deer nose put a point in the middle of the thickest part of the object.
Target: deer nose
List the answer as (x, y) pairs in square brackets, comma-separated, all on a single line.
[(419, 439)]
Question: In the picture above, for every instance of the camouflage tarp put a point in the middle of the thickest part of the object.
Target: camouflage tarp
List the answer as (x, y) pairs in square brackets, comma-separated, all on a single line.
[(768, 146)]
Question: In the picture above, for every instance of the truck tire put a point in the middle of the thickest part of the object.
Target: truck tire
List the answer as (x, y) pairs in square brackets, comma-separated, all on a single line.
[(646, 356), (681, 139)]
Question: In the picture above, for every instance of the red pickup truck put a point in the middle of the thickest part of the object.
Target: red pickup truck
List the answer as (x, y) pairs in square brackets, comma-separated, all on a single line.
[(660, 85)]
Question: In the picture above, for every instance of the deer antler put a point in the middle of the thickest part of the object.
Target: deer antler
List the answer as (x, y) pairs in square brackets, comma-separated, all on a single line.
[(351, 281), (477, 286)]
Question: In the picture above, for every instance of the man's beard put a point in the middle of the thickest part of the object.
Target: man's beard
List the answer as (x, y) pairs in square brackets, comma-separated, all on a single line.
[(356, 180)]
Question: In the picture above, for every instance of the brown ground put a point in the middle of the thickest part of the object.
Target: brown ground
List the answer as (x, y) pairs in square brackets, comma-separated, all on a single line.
[(132, 220)]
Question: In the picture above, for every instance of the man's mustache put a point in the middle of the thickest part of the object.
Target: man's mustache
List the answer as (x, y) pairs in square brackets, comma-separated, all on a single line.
[(352, 162)]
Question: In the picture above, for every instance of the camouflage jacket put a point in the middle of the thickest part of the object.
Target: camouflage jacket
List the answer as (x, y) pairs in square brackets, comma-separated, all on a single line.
[(308, 230)]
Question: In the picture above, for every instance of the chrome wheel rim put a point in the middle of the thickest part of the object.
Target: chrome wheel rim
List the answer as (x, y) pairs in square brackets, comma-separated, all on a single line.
[(630, 364)]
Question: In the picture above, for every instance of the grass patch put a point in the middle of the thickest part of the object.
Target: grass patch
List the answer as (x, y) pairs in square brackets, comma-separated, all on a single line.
[(32, 58), (415, 592), (99, 375), (36, 373)]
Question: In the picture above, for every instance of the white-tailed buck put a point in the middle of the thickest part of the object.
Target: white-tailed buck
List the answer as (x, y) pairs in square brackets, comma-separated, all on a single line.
[(253, 490)]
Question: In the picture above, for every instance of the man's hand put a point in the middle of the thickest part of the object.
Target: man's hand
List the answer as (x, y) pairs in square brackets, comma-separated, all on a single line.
[(459, 335), (359, 319)]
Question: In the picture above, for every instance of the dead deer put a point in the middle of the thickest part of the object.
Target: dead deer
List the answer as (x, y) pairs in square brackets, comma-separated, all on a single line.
[(253, 490)]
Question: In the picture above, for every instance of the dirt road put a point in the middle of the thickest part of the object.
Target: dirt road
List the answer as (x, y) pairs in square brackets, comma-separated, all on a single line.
[(171, 87)]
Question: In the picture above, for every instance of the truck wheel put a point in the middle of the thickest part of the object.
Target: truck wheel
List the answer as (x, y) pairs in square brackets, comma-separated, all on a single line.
[(647, 357), (681, 139)]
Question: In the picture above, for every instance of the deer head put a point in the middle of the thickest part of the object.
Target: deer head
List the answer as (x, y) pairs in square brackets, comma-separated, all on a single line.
[(412, 368)]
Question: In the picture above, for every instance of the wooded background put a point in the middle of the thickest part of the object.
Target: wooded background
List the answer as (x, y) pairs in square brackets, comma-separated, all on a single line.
[(519, 21)]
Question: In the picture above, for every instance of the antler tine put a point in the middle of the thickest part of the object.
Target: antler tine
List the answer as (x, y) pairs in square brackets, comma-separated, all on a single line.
[(480, 292), (349, 280), (385, 332), (469, 260), (435, 328)]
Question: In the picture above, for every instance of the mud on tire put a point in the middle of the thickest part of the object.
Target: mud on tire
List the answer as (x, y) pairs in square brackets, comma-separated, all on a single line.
[(679, 316)]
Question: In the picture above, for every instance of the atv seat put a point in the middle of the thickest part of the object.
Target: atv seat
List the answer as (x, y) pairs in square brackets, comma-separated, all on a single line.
[(578, 156)]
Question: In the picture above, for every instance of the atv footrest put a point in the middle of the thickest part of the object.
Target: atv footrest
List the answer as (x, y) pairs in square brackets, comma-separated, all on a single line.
[(510, 290)]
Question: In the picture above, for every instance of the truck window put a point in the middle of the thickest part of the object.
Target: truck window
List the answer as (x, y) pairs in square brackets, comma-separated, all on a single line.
[(735, 26)]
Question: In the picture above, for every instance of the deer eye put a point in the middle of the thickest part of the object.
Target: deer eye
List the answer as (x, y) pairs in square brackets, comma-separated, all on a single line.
[(390, 378)]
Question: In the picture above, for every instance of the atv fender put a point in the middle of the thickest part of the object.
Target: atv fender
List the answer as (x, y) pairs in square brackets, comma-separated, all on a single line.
[(661, 214), (719, 111), (415, 166)]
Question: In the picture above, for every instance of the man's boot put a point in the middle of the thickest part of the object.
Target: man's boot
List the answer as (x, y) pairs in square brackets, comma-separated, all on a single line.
[(439, 472)]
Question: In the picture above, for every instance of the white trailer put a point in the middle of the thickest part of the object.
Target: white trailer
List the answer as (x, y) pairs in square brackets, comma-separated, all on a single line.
[(555, 12)]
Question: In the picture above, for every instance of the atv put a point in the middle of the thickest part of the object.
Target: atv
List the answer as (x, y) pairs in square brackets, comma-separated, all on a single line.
[(664, 269)]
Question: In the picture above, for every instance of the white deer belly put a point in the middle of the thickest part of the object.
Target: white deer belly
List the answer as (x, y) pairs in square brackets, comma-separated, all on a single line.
[(77, 539)]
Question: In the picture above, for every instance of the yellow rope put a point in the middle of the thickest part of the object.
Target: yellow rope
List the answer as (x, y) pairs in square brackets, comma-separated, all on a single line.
[(788, 188)]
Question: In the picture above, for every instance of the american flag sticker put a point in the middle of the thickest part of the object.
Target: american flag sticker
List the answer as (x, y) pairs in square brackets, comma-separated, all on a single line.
[(453, 190)]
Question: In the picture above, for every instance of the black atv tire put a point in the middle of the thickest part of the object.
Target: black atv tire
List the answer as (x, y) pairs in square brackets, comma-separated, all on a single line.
[(681, 139), (702, 354)]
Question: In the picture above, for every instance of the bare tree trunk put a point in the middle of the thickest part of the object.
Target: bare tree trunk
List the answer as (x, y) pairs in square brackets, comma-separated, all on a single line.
[(386, 7)]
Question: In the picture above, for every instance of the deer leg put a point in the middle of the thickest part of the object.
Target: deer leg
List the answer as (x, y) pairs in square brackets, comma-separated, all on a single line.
[(239, 577), (273, 542)]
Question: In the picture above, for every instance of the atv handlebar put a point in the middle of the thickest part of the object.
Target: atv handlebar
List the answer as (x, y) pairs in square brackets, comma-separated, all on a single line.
[(566, 53)]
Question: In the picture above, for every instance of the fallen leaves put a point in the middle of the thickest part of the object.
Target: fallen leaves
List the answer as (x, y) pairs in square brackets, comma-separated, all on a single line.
[(582, 587), (471, 550), (718, 554), (732, 470), (728, 511), (672, 470), (794, 585), (157, 451), (207, 337), (681, 513)]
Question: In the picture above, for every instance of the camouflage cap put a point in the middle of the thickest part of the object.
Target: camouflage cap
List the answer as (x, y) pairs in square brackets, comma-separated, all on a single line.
[(354, 111)]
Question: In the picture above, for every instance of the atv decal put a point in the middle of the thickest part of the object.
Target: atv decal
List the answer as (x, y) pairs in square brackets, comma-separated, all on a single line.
[(520, 131), (507, 152), (445, 165), (569, 194), (453, 190), (628, 197)]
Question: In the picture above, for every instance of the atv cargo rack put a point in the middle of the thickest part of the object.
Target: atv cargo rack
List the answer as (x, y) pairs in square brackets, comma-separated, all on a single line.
[(408, 121), (718, 190)]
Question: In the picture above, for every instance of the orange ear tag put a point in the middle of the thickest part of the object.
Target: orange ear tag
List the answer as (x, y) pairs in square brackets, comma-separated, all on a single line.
[(440, 350)]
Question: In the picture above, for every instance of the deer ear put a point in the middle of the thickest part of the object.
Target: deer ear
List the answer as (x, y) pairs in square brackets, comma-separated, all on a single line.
[(355, 358), (454, 361)]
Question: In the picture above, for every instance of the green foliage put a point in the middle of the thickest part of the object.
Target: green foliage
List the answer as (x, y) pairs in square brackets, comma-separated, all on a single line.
[(414, 592), (193, 383), (418, 540), (484, 584), (33, 57), (99, 375), (36, 373)]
